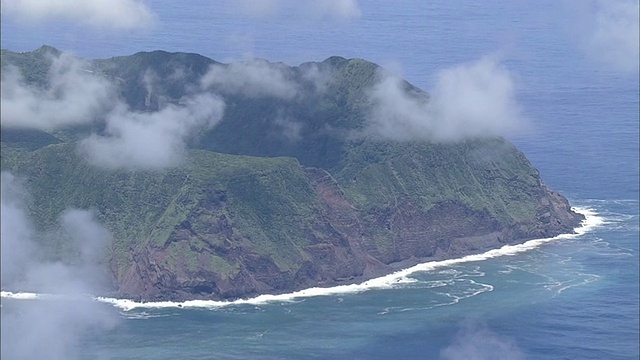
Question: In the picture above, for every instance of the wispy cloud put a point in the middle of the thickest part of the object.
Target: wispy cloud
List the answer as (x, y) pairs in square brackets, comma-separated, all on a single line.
[(317, 77), (254, 78), (469, 100), (335, 9), (289, 128), (16, 240), (151, 140), (131, 140), (74, 95), (341, 9), (615, 38), (476, 341), (49, 329), (102, 14)]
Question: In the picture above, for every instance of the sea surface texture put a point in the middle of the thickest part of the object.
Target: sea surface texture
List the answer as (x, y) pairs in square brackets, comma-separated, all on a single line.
[(573, 297)]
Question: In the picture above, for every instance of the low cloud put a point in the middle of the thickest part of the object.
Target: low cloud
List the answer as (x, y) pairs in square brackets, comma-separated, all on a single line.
[(149, 80), (335, 9), (49, 328), (17, 234), (318, 78), (477, 342), (254, 78), (74, 96), (289, 128), (615, 38), (469, 100), (340, 9), (101, 14), (151, 140)]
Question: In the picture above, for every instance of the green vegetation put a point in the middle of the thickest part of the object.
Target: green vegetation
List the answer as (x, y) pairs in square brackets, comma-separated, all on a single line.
[(483, 174), (34, 66), (269, 200)]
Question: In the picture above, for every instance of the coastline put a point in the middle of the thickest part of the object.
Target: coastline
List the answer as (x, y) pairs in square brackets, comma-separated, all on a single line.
[(591, 221)]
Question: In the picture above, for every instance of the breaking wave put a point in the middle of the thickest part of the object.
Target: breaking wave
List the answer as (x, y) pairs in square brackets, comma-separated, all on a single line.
[(592, 221)]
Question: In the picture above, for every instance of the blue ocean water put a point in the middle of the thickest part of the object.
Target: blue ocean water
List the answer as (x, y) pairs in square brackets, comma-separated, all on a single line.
[(574, 298)]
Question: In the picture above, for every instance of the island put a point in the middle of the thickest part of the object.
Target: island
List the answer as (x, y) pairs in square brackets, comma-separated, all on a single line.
[(280, 182)]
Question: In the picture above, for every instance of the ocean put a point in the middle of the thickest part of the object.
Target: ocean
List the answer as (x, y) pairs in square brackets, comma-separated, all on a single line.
[(573, 297)]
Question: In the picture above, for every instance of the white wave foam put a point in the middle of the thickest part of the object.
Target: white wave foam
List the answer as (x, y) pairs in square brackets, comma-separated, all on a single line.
[(560, 286), (436, 283), (592, 221), (142, 315), (23, 295), (20, 295), (406, 280), (481, 288)]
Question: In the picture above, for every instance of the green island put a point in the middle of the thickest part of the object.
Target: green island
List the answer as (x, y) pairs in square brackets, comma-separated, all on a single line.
[(285, 192)]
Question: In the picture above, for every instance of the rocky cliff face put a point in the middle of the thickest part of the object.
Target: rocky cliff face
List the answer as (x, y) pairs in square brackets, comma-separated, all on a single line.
[(348, 250)]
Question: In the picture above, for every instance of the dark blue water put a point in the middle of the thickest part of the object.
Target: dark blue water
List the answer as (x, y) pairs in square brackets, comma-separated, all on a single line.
[(568, 299)]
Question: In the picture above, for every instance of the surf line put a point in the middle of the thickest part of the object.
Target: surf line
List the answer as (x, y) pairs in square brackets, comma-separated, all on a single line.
[(591, 221)]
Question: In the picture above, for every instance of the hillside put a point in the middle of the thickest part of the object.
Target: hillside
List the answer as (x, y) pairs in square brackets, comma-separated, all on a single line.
[(286, 189)]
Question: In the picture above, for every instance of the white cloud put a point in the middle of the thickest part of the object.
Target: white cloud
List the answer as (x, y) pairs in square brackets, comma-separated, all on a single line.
[(475, 341), (470, 100), (102, 14), (290, 129), (56, 326), (149, 80), (340, 9), (335, 9), (317, 77), (74, 96), (16, 230), (615, 38), (90, 237), (477, 99), (151, 140), (255, 78)]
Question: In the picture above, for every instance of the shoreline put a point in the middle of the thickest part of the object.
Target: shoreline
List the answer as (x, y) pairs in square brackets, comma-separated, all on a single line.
[(591, 221)]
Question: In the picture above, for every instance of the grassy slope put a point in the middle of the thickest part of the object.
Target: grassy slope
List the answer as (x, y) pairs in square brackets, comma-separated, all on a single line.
[(489, 174), (268, 199)]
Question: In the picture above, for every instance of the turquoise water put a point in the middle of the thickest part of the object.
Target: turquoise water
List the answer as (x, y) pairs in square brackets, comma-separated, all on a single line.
[(573, 298)]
